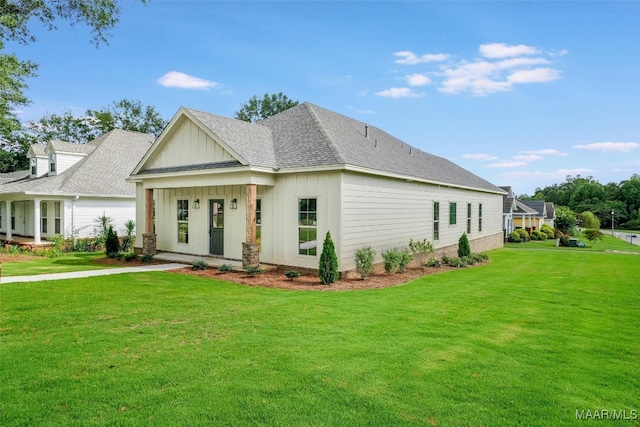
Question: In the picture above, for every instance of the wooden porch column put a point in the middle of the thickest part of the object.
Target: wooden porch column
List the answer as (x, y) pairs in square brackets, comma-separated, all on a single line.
[(251, 248), (148, 237), (148, 210), (252, 193)]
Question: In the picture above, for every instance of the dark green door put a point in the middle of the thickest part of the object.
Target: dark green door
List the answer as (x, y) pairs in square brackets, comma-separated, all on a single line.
[(216, 227)]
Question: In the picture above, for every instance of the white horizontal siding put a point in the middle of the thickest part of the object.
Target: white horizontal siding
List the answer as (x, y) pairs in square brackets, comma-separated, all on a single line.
[(65, 161), (386, 213), (81, 215)]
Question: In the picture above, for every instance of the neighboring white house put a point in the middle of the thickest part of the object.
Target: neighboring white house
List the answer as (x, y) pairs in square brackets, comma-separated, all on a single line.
[(212, 185), (69, 186)]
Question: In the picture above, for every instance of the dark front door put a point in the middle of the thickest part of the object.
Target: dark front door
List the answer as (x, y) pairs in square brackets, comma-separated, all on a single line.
[(216, 227)]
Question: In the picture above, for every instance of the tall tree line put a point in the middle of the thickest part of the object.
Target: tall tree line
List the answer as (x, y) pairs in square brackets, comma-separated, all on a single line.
[(585, 194)]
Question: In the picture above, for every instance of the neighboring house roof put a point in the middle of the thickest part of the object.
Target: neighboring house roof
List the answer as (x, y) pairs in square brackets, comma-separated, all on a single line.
[(72, 147), (37, 150), (102, 173), (508, 200), (521, 208), (308, 136), (537, 205), (8, 177), (551, 210)]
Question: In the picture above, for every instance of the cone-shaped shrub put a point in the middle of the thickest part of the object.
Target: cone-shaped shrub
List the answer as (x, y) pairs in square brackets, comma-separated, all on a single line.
[(111, 244), (328, 269), (464, 249)]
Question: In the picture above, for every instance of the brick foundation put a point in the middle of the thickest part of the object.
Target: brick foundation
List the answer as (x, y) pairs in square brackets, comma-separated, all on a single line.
[(250, 254), (149, 244)]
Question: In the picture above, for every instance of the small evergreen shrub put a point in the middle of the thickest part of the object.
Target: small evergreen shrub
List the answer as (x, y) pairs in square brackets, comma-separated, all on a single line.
[(464, 249), (111, 243), (434, 262), (130, 256), (252, 270), (391, 260), (328, 269), (404, 258), (199, 264), (147, 258), (514, 237), (458, 262), (524, 236), (225, 268), (420, 249), (364, 261), (548, 231), (292, 274)]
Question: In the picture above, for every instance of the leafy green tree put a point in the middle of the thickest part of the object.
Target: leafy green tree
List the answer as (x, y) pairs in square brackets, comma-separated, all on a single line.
[(258, 109), (328, 269), (15, 18), (565, 219), (593, 235), (589, 220), (124, 114)]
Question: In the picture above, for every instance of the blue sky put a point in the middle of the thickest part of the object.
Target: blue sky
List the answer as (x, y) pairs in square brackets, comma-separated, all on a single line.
[(520, 93)]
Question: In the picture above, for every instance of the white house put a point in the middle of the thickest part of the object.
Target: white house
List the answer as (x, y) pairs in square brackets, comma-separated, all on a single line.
[(271, 190), (69, 186)]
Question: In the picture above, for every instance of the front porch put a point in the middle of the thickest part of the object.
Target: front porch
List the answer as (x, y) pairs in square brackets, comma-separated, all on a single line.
[(211, 261), (25, 242)]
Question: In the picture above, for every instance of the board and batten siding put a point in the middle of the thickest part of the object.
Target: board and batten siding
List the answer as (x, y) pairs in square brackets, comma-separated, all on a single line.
[(189, 145), (280, 206), (385, 213)]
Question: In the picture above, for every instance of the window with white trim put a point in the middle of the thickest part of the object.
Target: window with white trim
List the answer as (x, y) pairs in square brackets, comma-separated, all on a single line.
[(183, 221), (307, 227), (43, 217), (452, 213), (436, 220), (56, 214), (468, 218), (480, 217), (52, 162), (34, 164)]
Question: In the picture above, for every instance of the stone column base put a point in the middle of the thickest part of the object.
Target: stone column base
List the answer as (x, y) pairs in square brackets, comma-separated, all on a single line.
[(250, 254), (149, 244)]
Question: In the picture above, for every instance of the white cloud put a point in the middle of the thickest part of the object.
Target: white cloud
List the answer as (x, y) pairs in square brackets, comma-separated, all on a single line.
[(545, 152), (502, 50), (399, 92), (536, 75), (418, 80), (620, 147), (507, 164), (411, 58), (479, 156), (559, 173), (500, 69), (528, 157), (185, 81)]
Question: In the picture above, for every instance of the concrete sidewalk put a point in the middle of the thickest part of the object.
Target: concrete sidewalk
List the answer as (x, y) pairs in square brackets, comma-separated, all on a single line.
[(91, 273)]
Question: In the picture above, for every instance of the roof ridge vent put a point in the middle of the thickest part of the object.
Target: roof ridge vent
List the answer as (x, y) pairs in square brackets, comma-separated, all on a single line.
[(366, 131), (376, 143)]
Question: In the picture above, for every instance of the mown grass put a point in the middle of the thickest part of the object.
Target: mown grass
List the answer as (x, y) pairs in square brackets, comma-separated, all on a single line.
[(76, 261), (526, 340), (608, 243)]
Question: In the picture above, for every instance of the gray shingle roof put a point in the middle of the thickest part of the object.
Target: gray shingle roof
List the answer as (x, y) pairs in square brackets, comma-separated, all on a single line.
[(72, 147), (8, 177), (537, 205), (113, 156), (521, 208), (308, 135)]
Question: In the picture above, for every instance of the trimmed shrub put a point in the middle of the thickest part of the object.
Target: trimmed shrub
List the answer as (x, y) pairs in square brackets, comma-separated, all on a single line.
[(548, 231), (514, 237), (292, 274), (225, 268), (480, 257), (434, 262), (130, 256), (252, 270), (538, 235), (364, 261), (111, 243), (146, 258), (199, 264), (404, 259), (420, 249), (328, 270), (464, 249), (396, 260), (524, 236)]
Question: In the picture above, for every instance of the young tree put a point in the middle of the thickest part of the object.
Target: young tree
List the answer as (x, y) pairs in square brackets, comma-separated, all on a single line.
[(257, 109), (328, 269), (464, 248), (565, 219), (593, 235)]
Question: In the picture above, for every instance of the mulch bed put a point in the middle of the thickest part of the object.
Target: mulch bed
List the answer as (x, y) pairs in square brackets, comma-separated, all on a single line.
[(275, 278)]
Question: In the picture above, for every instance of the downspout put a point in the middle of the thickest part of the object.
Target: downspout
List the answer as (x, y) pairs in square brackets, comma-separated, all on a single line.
[(73, 218)]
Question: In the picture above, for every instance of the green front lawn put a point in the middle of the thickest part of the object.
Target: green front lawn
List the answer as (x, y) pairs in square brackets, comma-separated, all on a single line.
[(527, 340), (67, 262)]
